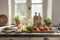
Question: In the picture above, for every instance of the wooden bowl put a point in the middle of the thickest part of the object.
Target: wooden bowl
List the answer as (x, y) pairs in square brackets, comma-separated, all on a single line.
[(3, 20)]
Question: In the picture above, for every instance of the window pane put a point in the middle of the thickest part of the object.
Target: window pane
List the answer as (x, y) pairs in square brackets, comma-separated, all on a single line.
[(36, 1), (20, 1), (21, 8), (36, 8)]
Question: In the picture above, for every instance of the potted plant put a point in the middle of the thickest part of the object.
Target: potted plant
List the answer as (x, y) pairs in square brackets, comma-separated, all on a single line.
[(17, 20), (47, 21), (17, 17)]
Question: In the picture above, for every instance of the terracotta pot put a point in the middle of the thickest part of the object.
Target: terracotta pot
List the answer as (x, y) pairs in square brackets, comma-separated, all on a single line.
[(48, 25), (17, 23)]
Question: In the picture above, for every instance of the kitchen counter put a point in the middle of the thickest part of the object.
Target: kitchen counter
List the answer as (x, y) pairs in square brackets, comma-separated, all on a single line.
[(29, 34)]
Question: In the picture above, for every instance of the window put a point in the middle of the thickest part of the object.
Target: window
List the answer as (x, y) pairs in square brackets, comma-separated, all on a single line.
[(28, 7), (21, 7), (36, 6)]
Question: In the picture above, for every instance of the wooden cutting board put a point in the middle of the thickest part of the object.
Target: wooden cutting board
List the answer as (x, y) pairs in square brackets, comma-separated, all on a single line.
[(44, 32)]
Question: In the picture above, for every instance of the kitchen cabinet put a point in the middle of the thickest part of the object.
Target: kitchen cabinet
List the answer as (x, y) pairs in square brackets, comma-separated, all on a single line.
[(4, 38), (29, 38), (43, 38)]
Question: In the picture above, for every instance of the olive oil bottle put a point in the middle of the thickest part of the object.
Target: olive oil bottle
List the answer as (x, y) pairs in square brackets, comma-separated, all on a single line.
[(35, 17)]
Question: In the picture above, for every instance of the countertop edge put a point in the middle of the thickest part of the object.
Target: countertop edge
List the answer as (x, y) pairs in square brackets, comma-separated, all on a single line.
[(29, 34)]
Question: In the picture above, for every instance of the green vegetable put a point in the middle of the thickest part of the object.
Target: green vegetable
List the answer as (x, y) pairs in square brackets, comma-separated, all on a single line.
[(29, 28), (9, 28)]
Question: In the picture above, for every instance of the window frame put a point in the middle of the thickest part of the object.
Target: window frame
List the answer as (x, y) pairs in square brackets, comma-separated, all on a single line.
[(29, 4)]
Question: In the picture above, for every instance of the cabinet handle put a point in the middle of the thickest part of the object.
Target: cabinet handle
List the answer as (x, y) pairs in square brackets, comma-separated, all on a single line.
[(45, 39), (10, 39)]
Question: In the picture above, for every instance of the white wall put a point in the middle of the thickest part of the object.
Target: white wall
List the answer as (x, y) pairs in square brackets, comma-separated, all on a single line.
[(45, 8), (49, 9), (4, 7), (56, 12)]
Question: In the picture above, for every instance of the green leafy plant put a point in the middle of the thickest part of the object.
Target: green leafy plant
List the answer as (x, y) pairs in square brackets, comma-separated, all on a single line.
[(16, 18), (38, 22), (47, 21)]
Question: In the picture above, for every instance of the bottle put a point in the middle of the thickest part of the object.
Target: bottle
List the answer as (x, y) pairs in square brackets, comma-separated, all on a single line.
[(39, 16), (35, 17)]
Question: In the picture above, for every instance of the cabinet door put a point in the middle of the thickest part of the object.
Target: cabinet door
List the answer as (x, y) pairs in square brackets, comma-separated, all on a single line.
[(16, 38), (43, 38), (12, 38), (53, 38), (3, 38), (36, 38)]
